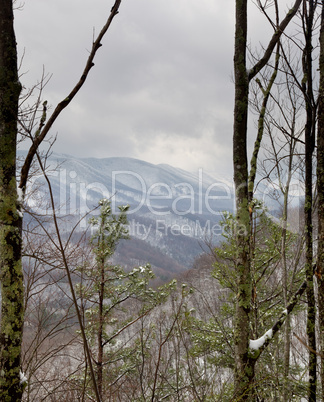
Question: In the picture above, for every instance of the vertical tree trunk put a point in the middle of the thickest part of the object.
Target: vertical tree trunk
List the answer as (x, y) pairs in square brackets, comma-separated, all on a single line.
[(320, 190), (10, 218), (287, 328), (309, 149), (100, 328), (245, 365), (244, 371)]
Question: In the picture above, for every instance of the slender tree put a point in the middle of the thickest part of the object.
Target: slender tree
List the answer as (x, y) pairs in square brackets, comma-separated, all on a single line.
[(111, 229), (310, 104), (244, 366), (320, 189)]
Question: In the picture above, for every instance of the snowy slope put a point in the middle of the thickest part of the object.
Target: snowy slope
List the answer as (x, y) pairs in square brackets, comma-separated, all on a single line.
[(172, 210), (133, 180)]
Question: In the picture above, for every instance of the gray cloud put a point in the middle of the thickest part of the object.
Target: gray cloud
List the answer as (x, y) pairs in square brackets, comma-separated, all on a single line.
[(161, 89)]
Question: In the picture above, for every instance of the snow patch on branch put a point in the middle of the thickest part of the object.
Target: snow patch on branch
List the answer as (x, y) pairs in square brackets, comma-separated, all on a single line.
[(22, 377), (20, 194), (256, 344), (20, 200)]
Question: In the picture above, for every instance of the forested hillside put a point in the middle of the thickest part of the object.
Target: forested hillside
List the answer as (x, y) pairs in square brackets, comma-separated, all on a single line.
[(123, 280)]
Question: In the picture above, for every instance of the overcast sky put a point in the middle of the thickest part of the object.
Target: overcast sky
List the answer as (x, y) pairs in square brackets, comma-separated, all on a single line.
[(161, 89)]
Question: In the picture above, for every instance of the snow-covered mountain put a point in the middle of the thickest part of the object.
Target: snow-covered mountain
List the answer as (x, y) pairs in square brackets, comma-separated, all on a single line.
[(173, 211)]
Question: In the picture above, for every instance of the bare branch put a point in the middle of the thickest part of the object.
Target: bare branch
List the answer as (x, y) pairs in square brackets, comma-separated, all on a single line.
[(273, 41), (37, 140)]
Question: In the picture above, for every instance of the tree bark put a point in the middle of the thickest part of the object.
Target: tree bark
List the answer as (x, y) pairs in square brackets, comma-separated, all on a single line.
[(244, 365), (307, 86), (320, 189), (101, 325), (244, 374), (287, 327), (12, 306)]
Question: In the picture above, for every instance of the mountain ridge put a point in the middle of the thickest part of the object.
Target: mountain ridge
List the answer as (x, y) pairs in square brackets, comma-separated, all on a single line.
[(171, 210)]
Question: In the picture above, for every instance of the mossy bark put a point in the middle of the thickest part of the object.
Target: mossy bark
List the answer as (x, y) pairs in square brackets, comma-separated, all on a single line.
[(244, 371), (320, 191), (12, 310), (245, 364)]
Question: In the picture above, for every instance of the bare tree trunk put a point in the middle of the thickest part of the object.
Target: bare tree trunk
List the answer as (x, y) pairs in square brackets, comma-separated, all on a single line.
[(309, 149), (320, 189), (244, 364), (100, 328), (287, 328), (244, 372), (12, 305)]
